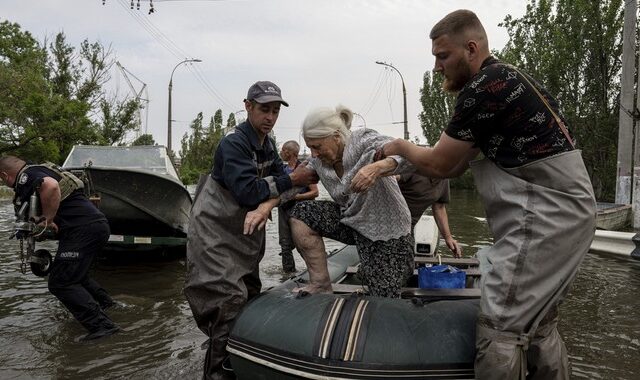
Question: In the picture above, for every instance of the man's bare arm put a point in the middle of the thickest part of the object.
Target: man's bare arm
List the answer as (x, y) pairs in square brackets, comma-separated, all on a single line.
[(447, 159), (49, 192), (442, 220)]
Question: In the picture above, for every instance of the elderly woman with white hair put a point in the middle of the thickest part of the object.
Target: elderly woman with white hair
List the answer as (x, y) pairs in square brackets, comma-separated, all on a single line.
[(367, 210)]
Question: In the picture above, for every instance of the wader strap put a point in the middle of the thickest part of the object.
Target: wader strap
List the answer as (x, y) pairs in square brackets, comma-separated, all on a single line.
[(519, 341), (557, 118)]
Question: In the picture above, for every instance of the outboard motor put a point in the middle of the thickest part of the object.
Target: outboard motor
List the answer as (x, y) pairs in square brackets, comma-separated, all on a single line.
[(27, 231)]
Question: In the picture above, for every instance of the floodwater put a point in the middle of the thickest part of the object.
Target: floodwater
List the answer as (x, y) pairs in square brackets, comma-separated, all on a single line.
[(600, 320)]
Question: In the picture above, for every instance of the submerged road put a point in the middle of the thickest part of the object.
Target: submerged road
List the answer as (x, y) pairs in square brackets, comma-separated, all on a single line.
[(600, 321)]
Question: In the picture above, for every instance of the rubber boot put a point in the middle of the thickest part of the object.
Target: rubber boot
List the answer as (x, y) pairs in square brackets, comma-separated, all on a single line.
[(288, 263), (101, 333)]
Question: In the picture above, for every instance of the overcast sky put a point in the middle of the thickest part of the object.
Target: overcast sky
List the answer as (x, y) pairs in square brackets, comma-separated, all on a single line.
[(320, 52)]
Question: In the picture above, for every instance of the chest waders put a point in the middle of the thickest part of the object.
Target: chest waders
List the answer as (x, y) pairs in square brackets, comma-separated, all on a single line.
[(222, 267), (26, 227), (542, 217)]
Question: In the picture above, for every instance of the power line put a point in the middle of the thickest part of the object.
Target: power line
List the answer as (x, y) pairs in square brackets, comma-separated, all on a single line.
[(136, 3), (176, 51), (209, 87), (370, 98), (390, 92), (378, 89), (156, 33)]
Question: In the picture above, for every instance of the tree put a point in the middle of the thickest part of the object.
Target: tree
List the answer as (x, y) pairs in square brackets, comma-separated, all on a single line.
[(191, 153), (117, 118), (51, 96), (24, 92), (231, 121), (199, 147), (437, 107), (145, 139)]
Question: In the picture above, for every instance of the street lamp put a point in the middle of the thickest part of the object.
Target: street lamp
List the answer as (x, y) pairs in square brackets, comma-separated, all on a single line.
[(169, 112), (404, 97), (238, 117)]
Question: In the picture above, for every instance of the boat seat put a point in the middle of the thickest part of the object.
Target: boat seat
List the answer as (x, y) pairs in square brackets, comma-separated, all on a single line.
[(432, 294), (461, 262), (470, 272)]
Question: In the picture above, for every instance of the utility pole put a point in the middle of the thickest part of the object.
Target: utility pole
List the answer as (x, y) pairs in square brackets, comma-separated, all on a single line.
[(404, 98), (169, 105), (636, 143), (625, 131)]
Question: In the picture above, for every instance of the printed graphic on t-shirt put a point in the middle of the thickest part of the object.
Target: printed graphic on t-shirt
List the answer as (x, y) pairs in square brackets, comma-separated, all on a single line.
[(502, 115)]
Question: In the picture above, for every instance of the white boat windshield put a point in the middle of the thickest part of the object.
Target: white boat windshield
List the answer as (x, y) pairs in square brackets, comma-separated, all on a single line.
[(152, 158)]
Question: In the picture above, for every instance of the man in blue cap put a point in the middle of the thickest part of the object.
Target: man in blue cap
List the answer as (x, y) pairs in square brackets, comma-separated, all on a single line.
[(226, 230)]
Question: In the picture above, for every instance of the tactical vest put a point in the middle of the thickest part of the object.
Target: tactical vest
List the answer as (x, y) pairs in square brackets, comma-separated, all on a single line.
[(68, 182)]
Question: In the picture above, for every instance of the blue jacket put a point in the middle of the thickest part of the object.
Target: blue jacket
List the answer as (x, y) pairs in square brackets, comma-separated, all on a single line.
[(252, 173)]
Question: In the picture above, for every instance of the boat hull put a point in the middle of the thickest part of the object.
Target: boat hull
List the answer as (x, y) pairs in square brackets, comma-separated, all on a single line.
[(138, 202), (612, 216), (280, 335)]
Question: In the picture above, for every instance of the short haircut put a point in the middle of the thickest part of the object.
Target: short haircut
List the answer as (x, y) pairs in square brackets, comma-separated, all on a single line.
[(461, 23), (325, 122), (292, 146), (10, 163)]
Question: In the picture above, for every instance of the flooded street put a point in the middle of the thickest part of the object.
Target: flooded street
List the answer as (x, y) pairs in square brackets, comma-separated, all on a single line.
[(600, 320)]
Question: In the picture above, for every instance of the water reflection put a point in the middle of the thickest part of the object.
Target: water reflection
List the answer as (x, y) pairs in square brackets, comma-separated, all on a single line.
[(600, 319), (601, 323)]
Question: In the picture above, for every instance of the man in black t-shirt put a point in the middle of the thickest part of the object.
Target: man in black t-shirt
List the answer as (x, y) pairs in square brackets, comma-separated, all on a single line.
[(82, 232), (499, 112), (536, 192)]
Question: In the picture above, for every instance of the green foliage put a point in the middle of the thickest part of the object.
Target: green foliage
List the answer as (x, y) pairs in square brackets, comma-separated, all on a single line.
[(197, 148), (437, 107), (23, 94), (50, 96), (574, 48), (145, 139), (117, 119), (231, 121)]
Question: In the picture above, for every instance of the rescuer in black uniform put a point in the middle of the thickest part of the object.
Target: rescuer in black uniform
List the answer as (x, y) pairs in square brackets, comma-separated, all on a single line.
[(82, 232)]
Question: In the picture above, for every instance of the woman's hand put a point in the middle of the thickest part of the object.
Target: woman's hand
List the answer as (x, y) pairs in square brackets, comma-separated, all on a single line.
[(364, 178), (367, 175)]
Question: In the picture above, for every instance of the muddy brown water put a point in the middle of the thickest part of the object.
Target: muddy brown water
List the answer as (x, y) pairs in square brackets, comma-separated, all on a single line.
[(600, 320)]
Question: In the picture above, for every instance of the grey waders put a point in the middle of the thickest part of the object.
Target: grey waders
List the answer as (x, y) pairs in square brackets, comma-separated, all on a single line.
[(222, 269), (542, 216)]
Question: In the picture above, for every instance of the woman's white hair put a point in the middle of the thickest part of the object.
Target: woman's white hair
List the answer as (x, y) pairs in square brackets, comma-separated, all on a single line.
[(325, 122)]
